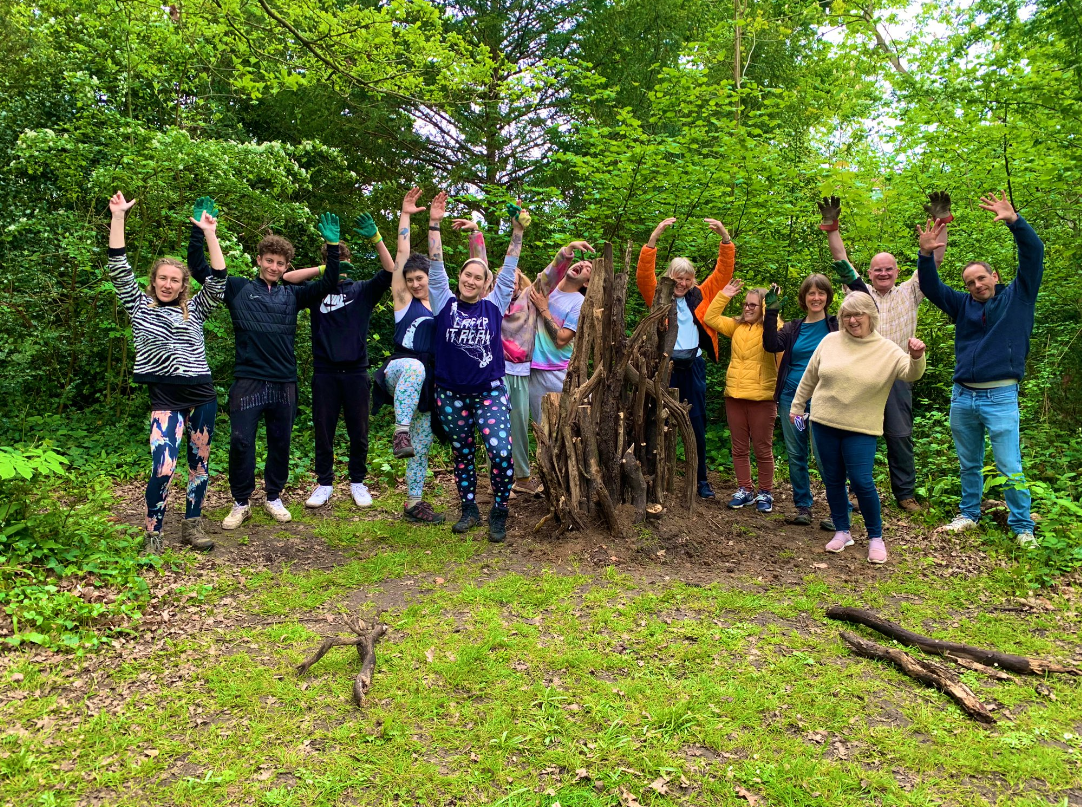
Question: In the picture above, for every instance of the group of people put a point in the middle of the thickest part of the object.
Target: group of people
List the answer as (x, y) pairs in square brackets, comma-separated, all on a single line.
[(474, 364)]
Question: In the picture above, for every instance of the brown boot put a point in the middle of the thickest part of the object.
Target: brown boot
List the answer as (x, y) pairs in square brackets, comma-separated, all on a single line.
[(191, 534), (910, 505)]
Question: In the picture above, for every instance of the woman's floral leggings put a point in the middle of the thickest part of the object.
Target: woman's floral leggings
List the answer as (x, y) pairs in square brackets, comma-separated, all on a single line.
[(487, 412), (167, 428), (405, 380)]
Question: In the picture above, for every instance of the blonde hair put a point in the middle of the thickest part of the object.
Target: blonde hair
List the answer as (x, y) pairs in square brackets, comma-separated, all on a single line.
[(185, 283), (860, 303), (680, 266), (761, 294)]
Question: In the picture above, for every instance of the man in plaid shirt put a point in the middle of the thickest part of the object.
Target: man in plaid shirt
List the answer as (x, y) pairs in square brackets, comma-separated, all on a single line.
[(898, 304)]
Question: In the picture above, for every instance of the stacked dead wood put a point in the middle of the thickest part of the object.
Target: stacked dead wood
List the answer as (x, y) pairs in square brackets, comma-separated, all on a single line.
[(610, 438)]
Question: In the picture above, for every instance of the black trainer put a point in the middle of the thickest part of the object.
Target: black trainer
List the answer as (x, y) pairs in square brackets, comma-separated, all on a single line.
[(471, 517), (497, 524)]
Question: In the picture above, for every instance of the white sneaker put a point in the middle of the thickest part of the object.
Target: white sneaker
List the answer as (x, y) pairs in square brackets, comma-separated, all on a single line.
[(1026, 540), (237, 516), (361, 496), (276, 510), (320, 496), (960, 524)]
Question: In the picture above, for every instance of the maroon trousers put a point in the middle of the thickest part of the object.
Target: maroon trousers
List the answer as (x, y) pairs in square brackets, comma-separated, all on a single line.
[(752, 423)]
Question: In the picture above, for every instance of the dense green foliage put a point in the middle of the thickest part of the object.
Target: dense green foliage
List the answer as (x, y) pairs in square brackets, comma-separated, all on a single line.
[(601, 116)]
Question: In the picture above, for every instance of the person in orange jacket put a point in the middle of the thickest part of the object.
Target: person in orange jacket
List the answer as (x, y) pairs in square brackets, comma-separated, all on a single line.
[(694, 337)]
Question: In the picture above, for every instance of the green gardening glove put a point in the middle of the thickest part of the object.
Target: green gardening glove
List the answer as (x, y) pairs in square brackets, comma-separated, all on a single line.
[(845, 271), (773, 301), (516, 213), (330, 228), (366, 228), (204, 203)]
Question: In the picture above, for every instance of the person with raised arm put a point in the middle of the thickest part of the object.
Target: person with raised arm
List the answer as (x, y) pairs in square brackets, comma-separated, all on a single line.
[(470, 390), (850, 374), (898, 304), (992, 328), (264, 314), (694, 337), (796, 341), (340, 381), (749, 394), (407, 378), (171, 359)]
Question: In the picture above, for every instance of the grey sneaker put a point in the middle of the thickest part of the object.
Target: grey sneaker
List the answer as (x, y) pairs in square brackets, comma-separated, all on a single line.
[(153, 543), (1026, 540), (237, 516)]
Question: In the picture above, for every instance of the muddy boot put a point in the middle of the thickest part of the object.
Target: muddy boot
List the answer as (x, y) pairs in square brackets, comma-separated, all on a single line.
[(471, 517), (153, 543), (497, 524), (191, 534)]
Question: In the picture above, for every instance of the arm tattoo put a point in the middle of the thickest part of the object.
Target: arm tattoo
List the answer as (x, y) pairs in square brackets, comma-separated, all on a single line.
[(404, 232), (551, 327), (514, 249)]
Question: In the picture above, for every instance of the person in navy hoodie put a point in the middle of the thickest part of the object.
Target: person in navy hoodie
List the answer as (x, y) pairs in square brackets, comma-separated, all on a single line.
[(264, 314), (993, 324), (340, 355), (471, 395)]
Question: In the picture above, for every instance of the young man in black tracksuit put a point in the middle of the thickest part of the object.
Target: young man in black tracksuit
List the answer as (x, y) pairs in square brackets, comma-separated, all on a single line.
[(264, 314), (340, 356)]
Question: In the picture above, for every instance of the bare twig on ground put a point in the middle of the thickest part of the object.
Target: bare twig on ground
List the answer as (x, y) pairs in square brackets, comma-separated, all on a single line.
[(365, 637)]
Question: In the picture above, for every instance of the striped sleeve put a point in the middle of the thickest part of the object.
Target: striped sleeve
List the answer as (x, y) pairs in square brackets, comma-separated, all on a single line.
[(123, 278), (209, 297)]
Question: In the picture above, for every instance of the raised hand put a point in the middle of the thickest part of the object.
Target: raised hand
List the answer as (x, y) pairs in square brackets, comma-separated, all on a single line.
[(409, 203), (204, 203), (330, 228), (916, 347), (365, 226), (717, 227), (576, 246), (438, 208), (118, 205), (733, 288), (939, 207), (930, 237), (830, 209), (772, 302), (206, 222), (465, 225), (1002, 207), (518, 215), (845, 272), (662, 226)]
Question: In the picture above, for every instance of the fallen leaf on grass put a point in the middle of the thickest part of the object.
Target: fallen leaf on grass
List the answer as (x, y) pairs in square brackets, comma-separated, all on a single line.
[(16, 677), (263, 776), (744, 794), (661, 785), (151, 752), (430, 654), (627, 798), (581, 774)]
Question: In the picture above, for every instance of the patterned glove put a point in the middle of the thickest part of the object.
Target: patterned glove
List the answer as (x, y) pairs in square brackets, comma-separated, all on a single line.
[(330, 228), (939, 207), (516, 213)]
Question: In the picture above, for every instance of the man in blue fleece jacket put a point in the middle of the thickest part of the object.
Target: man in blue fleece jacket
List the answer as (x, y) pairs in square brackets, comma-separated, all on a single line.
[(993, 324)]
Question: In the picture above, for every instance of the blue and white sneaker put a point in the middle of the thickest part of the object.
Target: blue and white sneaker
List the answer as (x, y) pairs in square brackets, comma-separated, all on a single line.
[(764, 502), (740, 498)]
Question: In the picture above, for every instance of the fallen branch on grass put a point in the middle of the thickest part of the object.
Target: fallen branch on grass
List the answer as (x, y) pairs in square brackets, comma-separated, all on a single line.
[(365, 637), (1006, 661), (926, 671)]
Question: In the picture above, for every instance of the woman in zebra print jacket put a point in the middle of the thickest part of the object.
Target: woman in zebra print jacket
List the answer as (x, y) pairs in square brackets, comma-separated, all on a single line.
[(167, 326)]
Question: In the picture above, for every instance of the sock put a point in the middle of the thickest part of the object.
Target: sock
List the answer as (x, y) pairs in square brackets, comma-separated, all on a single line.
[(412, 500), (398, 427)]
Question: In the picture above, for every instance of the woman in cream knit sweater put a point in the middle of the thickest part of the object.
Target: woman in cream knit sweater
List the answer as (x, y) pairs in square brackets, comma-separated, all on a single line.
[(850, 376)]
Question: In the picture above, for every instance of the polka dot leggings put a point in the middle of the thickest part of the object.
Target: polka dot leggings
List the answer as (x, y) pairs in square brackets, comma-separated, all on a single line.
[(488, 413)]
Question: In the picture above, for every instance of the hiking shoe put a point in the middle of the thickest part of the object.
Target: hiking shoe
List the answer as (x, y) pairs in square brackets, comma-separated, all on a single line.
[(361, 496), (470, 518), (402, 446), (191, 534), (877, 550), (742, 497), (802, 517), (237, 516), (320, 496), (153, 543), (909, 505), (959, 524), (705, 491), (276, 510), (1026, 540), (839, 542), (827, 525), (423, 513), (764, 502), (527, 485), (497, 524)]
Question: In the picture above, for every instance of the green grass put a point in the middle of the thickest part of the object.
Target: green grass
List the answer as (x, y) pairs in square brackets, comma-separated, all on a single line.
[(498, 691)]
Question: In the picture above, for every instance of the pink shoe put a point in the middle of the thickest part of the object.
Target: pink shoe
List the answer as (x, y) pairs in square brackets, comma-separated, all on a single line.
[(877, 551), (840, 541)]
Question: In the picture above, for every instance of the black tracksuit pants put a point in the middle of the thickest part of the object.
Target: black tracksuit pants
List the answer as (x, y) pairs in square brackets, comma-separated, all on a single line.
[(333, 393)]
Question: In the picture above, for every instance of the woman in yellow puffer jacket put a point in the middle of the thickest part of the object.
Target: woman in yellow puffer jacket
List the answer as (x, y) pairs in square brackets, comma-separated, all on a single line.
[(749, 394)]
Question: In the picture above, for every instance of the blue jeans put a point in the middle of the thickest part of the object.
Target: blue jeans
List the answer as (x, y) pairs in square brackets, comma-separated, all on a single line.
[(995, 410), (691, 381), (844, 453), (797, 444)]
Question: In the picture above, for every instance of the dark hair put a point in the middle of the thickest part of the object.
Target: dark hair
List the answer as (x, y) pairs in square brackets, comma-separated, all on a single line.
[(416, 262), (987, 267), (275, 245), (816, 281), (343, 252)]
